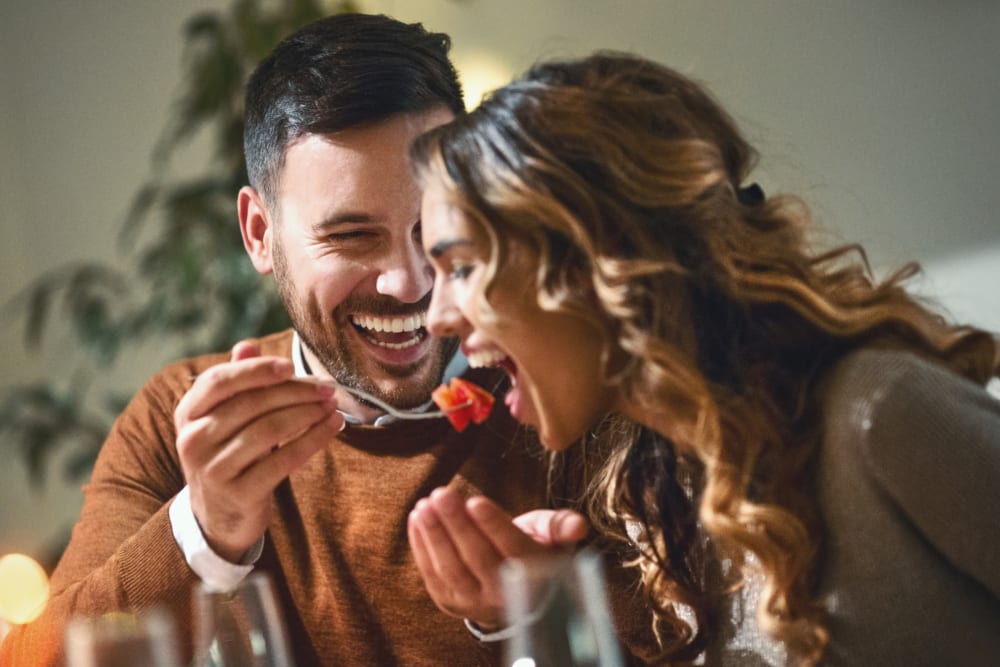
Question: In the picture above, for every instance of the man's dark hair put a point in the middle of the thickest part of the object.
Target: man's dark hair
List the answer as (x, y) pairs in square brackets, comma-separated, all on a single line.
[(340, 72)]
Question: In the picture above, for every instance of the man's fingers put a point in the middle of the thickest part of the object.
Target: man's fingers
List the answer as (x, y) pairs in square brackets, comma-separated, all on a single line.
[(243, 410), (231, 498), (260, 437), (244, 350), (276, 463), (256, 418), (223, 381)]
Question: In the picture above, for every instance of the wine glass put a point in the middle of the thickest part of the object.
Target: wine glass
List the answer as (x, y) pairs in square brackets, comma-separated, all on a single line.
[(121, 640), (240, 628), (557, 612)]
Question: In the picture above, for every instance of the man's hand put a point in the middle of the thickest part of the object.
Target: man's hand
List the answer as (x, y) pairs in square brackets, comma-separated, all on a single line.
[(459, 545), (241, 429)]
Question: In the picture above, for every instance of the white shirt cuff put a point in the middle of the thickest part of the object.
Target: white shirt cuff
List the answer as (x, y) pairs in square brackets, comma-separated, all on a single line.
[(497, 636), (215, 572)]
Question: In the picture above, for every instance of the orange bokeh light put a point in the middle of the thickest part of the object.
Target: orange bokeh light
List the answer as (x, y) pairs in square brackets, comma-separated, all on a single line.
[(24, 588)]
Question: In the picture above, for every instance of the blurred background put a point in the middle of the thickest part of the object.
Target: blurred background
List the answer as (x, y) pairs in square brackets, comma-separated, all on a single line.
[(883, 115)]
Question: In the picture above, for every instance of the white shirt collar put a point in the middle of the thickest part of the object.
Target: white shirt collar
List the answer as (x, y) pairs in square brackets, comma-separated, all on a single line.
[(456, 367)]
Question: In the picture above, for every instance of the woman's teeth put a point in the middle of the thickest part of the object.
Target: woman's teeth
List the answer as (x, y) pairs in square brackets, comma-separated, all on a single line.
[(484, 358)]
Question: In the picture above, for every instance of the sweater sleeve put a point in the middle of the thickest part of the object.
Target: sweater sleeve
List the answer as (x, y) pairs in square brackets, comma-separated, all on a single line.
[(122, 555), (931, 440)]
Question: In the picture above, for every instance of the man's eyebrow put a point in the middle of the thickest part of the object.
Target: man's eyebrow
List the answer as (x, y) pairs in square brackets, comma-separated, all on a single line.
[(342, 218), (442, 247)]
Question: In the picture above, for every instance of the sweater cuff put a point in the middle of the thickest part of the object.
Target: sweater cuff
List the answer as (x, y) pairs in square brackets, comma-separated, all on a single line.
[(215, 572)]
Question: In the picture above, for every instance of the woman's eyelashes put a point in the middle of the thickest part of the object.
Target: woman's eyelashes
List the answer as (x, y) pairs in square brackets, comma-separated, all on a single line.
[(460, 270)]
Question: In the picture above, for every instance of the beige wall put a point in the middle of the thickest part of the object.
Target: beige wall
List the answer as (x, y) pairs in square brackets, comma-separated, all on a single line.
[(85, 87), (883, 114)]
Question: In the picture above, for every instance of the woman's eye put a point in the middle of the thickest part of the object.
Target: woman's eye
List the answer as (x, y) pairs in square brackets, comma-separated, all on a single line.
[(460, 271)]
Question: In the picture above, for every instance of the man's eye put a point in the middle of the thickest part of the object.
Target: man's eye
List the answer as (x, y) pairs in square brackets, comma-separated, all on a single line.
[(349, 236)]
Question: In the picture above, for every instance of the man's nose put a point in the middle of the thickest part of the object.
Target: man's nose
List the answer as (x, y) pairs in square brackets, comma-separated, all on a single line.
[(406, 275)]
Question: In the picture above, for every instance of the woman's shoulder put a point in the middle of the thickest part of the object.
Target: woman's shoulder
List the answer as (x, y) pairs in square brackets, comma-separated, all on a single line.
[(907, 482), (901, 412), (881, 393)]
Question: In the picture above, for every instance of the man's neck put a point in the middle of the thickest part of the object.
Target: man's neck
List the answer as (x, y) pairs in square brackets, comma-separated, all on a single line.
[(308, 364)]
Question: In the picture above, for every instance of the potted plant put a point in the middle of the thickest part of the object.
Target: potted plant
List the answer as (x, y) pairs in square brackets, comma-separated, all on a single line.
[(186, 277)]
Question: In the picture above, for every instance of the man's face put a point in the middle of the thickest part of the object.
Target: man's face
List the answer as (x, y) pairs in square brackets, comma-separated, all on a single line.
[(347, 258)]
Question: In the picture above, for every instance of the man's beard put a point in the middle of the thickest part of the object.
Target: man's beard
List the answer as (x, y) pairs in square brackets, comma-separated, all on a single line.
[(325, 335)]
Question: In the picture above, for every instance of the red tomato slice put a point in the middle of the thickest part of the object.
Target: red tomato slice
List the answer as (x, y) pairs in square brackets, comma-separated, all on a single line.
[(461, 391), (446, 399), (482, 400)]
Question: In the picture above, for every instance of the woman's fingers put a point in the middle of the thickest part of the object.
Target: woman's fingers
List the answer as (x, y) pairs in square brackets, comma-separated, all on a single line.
[(459, 582), (475, 547), (553, 528), (530, 533), (458, 547)]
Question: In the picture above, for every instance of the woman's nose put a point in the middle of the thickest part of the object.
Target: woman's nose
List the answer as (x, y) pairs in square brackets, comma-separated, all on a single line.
[(444, 319)]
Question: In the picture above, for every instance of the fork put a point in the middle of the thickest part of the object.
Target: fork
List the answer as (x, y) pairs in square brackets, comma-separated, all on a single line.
[(382, 405)]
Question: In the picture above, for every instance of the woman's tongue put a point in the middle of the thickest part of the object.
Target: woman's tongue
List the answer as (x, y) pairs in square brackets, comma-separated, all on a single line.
[(516, 400), (512, 399)]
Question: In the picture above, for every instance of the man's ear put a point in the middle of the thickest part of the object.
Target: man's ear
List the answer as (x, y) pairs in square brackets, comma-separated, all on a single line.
[(255, 226)]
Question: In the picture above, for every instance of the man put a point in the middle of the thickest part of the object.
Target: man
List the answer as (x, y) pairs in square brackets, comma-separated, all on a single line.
[(224, 464)]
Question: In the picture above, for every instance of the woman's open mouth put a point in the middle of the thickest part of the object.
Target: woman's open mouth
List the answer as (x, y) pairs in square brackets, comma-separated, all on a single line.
[(493, 358)]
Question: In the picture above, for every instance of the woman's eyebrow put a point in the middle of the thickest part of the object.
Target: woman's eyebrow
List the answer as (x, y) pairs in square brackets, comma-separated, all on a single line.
[(442, 247)]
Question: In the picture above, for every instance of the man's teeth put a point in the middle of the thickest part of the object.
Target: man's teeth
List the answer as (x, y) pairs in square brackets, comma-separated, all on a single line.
[(409, 324), (398, 346), (390, 324), (483, 358)]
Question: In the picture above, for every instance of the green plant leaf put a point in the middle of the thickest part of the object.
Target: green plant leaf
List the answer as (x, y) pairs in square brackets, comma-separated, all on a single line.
[(40, 417), (188, 283), (39, 303), (142, 204)]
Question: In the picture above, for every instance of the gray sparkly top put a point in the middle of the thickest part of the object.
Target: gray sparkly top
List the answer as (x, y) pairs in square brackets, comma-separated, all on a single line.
[(909, 489)]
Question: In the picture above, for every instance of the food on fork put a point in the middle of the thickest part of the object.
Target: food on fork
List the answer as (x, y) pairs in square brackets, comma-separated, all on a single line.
[(478, 402)]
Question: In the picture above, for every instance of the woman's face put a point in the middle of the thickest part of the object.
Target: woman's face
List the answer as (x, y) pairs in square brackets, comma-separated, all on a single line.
[(553, 359)]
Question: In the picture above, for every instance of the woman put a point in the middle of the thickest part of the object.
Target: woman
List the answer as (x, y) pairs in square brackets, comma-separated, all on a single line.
[(802, 460)]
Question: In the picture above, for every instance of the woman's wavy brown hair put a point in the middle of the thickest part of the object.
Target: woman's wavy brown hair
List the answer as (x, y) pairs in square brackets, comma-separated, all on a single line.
[(627, 180)]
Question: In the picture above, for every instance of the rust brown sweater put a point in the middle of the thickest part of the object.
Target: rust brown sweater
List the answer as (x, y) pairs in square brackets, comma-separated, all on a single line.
[(336, 549)]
